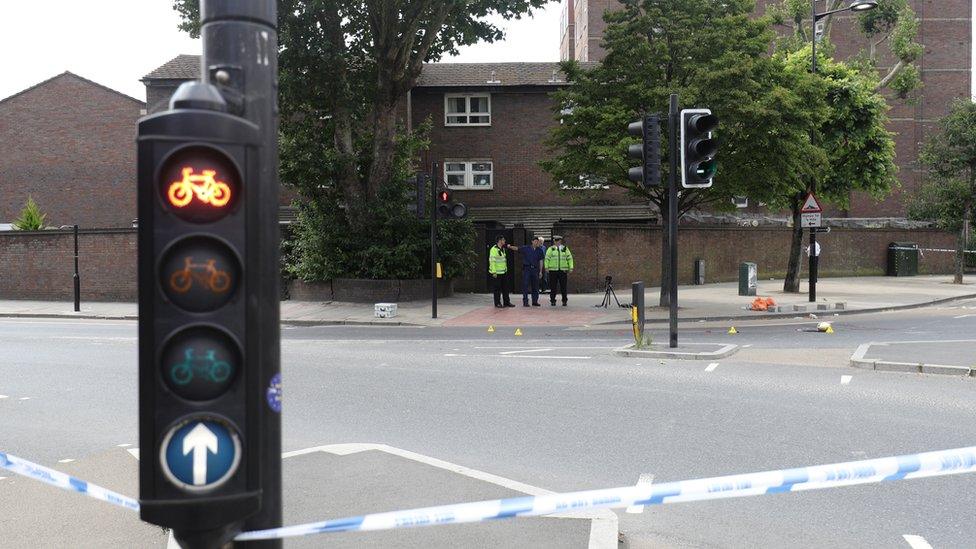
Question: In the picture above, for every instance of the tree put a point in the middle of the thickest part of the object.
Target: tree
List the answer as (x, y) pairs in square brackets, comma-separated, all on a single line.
[(860, 151), (949, 194), (354, 61), (30, 218), (344, 69), (714, 53), (893, 23)]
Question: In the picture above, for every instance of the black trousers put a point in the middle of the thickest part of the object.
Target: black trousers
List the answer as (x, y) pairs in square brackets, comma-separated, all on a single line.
[(557, 279), (499, 285)]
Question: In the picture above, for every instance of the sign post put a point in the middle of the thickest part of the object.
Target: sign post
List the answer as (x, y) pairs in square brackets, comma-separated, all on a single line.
[(811, 216)]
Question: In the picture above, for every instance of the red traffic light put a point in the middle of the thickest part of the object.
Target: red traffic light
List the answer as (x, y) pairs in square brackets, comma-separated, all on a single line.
[(444, 196)]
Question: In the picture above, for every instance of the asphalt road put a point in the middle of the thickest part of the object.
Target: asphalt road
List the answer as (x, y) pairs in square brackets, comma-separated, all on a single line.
[(553, 408)]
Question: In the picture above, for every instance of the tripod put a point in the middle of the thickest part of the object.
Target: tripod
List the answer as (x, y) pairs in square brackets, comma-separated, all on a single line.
[(608, 293)]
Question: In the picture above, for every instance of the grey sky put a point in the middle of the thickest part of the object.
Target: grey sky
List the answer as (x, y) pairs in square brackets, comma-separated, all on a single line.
[(116, 42)]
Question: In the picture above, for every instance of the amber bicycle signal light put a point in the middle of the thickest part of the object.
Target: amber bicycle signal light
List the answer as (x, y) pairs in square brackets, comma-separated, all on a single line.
[(199, 184)]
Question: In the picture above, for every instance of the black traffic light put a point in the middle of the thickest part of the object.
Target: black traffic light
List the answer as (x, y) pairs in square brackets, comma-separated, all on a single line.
[(446, 209), (648, 151), (698, 148), (201, 219)]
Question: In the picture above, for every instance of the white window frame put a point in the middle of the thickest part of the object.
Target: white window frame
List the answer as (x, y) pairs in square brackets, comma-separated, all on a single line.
[(469, 174), (467, 109)]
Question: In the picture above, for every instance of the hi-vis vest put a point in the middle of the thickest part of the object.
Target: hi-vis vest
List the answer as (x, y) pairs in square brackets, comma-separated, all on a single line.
[(497, 261), (559, 260)]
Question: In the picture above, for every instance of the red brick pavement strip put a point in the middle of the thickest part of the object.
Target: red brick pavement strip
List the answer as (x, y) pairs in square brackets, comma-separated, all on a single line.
[(526, 316)]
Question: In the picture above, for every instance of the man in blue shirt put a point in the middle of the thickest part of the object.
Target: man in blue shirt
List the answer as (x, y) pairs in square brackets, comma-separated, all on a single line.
[(532, 258)]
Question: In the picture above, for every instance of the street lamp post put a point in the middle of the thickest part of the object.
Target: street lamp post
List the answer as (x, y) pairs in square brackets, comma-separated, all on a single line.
[(856, 6)]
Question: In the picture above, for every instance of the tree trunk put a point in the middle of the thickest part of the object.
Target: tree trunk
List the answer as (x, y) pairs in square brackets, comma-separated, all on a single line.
[(962, 242), (384, 147), (792, 282), (665, 298)]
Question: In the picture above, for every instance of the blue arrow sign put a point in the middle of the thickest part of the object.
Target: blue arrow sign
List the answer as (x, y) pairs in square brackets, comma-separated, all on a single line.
[(200, 454)]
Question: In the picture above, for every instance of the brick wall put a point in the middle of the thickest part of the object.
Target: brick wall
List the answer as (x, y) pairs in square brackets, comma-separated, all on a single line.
[(39, 265), (630, 253), (515, 143), (70, 144)]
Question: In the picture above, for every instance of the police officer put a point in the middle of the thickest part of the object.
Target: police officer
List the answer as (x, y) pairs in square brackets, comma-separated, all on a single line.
[(532, 259), (559, 263), (498, 269)]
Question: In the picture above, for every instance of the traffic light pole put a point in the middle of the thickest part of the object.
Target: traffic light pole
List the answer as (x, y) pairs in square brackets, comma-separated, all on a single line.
[(434, 167), (813, 256), (240, 57), (674, 118)]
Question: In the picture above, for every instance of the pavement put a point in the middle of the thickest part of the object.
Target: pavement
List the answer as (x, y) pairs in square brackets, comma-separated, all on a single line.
[(553, 408), (708, 302)]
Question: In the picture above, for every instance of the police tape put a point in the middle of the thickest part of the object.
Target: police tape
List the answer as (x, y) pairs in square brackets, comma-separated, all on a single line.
[(64, 481), (931, 464), (912, 466), (931, 250)]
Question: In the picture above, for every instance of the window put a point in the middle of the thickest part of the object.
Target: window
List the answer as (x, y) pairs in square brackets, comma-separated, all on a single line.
[(467, 110), (468, 174)]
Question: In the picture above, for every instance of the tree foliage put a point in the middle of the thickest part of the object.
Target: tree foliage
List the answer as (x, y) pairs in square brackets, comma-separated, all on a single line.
[(344, 68), (949, 195), (30, 218), (892, 24)]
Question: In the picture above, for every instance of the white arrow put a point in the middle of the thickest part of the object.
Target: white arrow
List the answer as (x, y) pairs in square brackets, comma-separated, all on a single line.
[(199, 440)]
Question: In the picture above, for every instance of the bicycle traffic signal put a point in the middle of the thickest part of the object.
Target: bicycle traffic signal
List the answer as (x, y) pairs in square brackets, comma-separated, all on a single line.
[(199, 392), (698, 148), (446, 209), (648, 151)]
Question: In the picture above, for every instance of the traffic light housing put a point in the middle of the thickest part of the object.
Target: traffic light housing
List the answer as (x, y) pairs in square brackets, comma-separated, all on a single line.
[(698, 148), (447, 209), (200, 219), (648, 151)]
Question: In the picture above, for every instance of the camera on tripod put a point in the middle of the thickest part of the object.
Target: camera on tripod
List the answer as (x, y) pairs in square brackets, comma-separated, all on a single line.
[(608, 293)]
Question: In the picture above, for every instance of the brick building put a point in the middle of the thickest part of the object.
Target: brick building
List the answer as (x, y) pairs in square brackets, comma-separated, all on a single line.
[(945, 31), (69, 143)]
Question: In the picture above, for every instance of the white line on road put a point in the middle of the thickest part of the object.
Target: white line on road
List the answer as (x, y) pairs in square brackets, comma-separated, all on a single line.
[(962, 316), (123, 445), (846, 380), (643, 480), (747, 346), (711, 367), (524, 351), (530, 347), (65, 460), (550, 357), (1, 478), (452, 354), (3, 397), (917, 542), (25, 398)]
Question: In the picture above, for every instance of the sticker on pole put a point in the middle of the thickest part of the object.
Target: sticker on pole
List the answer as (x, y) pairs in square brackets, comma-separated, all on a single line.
[(811, 205), (200, 454)]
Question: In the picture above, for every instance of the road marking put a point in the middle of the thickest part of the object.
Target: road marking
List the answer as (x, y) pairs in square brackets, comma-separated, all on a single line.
[(449, 354), (962, 316), (2, 478), (3, 397), (747, 346), (711, 367), (524, 351), (550, 357), (603, 522), (917, 542), (65, 460), (643, 480), (25, 398), (123, 445), (536, 347), (134, 452), (846, 380)]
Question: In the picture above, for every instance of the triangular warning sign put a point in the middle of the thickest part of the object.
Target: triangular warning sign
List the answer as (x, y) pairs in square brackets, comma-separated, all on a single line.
[(811, 205)]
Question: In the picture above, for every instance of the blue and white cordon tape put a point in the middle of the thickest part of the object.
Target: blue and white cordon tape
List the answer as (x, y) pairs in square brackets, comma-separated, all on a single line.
[(929, 464), (65, 482)]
